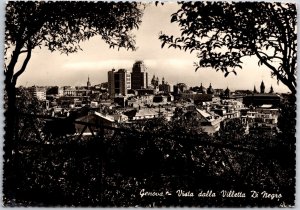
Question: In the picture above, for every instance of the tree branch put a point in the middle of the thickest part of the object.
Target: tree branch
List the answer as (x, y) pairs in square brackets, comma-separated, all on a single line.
[(270, 57), (283, 35), (289, 32), (14, 59), (293, 64), (23, 51), (268, 65), (17, 74), (283, 79)]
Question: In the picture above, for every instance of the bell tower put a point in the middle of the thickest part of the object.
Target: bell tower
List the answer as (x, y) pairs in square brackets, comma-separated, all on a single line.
[(262, 87), (88, 84)]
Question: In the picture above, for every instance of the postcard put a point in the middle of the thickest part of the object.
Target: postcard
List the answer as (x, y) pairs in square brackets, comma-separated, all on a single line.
[(158, 104)]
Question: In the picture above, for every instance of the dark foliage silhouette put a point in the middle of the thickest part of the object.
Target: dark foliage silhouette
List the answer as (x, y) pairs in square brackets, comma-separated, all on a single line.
[(223, 33), (57, 26)]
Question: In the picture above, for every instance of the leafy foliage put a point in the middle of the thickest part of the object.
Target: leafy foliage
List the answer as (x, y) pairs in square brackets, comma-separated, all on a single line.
[(63, 25), (26, 103), (222, 33), (58, 26), (153, 155), (232, 130)]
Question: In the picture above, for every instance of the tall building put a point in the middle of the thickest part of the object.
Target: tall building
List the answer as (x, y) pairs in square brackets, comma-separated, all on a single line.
[(139, 76), (179, 88), (119, 82), (164, 86)]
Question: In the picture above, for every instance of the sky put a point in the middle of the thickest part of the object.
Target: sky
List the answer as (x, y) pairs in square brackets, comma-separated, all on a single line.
[(96, 59)]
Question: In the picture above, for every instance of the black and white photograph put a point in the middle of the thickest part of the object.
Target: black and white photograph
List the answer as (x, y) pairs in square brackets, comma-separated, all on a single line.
[(149, 104)]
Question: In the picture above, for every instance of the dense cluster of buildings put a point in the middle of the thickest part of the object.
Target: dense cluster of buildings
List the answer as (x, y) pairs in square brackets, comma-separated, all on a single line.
[(127, 97)]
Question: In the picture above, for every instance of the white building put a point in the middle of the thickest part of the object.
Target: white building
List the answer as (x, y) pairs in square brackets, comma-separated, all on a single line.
[(38, 92), (210, 123), (263, 116)]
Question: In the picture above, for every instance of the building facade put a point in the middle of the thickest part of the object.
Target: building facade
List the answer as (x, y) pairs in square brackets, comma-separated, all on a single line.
[(38, 92), (179, 88), (260, 99), (55, 90), (139, 76), (164, 87), (119, 82)]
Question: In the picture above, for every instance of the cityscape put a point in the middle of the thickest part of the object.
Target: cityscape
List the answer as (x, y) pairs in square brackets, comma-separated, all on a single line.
[(131, 96), (135, 104)]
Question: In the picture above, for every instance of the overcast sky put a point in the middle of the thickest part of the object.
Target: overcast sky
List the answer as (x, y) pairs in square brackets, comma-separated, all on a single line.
[(96, 59)]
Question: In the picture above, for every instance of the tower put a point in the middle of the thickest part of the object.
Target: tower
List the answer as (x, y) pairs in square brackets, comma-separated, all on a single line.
[(118, 82), (202, 89), (254, 89), (139, 76), (262, 87), (227, 93), (153, 81), (271, 89), (210, 90), (88, 84), (164, 86)]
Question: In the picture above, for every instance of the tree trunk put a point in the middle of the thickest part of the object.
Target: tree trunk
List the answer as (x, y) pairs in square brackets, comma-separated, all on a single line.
[(9, 147), (10, 175)]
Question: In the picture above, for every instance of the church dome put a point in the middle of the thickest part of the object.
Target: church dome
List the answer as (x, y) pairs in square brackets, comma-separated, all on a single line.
[(210, 90), (227, 91), (202, 89)]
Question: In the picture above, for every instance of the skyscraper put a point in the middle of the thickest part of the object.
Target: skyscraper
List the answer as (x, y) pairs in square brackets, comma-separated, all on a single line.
[(118, 82), (139, 76)]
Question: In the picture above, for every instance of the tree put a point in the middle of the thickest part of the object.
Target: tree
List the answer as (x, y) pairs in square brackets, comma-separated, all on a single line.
[(225, 32), (232, 130), (62, 26), (58, 26)]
